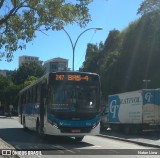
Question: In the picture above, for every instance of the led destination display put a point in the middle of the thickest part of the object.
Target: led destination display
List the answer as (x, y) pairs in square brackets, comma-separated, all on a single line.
[(71, 77)]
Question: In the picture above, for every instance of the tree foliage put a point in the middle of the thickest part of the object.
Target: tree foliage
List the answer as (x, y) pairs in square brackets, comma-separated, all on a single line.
[(20, 19), (20, 75), (30, 80), (129, 57), (8, 92), (4, 83), (92, 58), (20, 78), (148, 6)]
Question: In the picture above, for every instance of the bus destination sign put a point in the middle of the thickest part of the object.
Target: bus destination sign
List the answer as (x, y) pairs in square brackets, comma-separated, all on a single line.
[(70, 77)]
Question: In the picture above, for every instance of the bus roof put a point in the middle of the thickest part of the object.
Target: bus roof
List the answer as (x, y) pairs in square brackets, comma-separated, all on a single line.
[(34, 83)]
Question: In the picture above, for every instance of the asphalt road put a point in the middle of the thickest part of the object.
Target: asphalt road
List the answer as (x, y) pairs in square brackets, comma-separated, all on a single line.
[(12, 133)]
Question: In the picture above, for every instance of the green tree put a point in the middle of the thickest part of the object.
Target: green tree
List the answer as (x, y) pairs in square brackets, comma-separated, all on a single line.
[(111, 54), (12, 96), (93, 58), (148, 6), (100, 59), (113, 41), (30, 80), (20, 75), (8, 92), (138, 56), (4, 83), (20, 19), (111, 50), (129, 57)]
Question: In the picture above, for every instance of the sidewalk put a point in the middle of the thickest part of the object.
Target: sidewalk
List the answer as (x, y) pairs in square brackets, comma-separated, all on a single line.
[(150, 139)]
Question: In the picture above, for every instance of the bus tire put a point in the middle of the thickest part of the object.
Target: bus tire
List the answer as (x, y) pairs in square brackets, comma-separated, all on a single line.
[(24, 124), (79, 139), (39, 131), (37, 126)]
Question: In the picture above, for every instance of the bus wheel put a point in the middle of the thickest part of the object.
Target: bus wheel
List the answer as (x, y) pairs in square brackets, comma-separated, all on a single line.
[(79, 139), (39, 130), (24, 124), (37, 127)]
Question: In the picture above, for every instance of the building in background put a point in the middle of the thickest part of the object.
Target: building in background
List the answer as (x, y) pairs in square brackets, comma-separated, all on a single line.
[(28, 59), (56, 64), (3, 72), (6, 72)]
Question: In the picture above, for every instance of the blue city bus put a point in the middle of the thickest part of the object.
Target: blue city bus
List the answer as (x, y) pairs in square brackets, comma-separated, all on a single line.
[(63, 104)]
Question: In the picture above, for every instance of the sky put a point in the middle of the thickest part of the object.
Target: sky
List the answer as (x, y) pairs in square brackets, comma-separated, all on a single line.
[(107, 14)]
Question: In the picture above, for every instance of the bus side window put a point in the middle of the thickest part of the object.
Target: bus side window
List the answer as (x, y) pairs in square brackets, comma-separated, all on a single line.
[(28, 96), (44, 92), (31, 95), (21, 99), (35, 94), (38, 94), (25, 98)]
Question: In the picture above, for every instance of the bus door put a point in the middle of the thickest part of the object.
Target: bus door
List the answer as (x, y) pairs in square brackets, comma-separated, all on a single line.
[(42, 104)]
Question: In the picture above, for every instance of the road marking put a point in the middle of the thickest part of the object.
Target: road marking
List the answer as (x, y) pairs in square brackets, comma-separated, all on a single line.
[(31, 146), (97, 146)]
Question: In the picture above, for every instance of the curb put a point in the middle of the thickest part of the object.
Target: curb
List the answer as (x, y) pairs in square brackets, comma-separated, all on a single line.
[(131, 141), (6, 117)]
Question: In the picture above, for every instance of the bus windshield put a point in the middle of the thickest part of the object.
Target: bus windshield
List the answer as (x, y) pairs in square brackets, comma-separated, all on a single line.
[(75, 98)]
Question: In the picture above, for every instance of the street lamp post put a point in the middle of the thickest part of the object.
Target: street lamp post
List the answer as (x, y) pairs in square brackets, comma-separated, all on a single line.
[(74, 44), (146, 83)]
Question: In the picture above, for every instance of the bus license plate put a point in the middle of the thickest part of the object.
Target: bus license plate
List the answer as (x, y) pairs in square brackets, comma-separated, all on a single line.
[(76, 130)]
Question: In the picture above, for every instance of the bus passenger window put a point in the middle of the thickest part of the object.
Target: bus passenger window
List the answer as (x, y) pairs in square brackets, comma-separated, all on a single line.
[(38, 94)]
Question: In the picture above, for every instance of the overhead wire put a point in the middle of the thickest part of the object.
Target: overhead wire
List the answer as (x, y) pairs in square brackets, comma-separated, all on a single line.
[(85, 52)]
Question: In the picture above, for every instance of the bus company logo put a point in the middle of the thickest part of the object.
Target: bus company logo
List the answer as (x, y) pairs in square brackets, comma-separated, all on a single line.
[(114, 108), (61, 123), (148, 97)]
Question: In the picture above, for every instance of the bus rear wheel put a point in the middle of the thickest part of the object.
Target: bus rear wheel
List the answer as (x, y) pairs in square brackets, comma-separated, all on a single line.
[(39, 130), (79, 139), (38, 127), (24, 124)]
